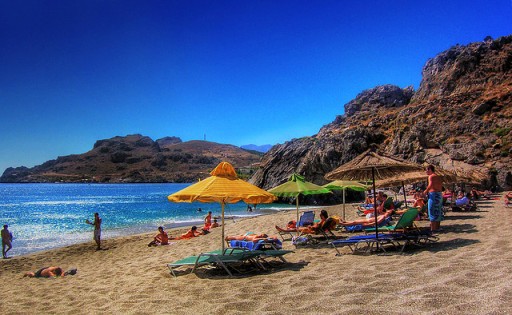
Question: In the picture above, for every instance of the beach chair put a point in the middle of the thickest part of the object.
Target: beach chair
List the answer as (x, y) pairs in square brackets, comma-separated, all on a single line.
[(270, 243), (405, 222), (365, 243), (230, 258), (307, 218)]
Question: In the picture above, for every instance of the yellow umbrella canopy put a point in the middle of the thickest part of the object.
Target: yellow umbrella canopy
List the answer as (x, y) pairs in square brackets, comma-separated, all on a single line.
[(223, 186)]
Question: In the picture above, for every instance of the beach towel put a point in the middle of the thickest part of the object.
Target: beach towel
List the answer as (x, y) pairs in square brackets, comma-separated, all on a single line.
[(435, 206)]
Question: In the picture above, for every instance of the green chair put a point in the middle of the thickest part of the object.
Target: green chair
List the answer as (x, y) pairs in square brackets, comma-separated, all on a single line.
[(228, 259), (405, 222)]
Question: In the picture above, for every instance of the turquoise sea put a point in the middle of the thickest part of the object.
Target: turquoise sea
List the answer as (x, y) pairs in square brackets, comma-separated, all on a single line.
[(45, 216)]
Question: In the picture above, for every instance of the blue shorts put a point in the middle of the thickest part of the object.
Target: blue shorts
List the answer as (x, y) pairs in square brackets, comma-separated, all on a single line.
[(435, 206)]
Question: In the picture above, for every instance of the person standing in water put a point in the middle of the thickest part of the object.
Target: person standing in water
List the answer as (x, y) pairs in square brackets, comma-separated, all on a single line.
[(6, 241), (97, 229)]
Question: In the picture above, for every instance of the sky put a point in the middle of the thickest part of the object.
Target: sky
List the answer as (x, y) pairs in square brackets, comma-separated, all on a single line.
[(231, 71)]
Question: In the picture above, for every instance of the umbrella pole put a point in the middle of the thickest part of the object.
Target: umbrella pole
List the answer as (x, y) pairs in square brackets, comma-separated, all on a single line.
[(343, 204), (297, 222), (222, 234), (405, 195), (375, 208)]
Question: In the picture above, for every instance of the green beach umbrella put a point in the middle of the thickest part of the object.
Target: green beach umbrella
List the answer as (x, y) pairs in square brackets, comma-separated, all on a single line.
[(344, 185), (296, 186)]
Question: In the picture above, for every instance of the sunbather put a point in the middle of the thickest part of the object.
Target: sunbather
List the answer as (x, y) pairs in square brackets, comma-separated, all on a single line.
[(160, 239), (250, 237), (48, 272), (368, 221), (190, 234), (313, 229)]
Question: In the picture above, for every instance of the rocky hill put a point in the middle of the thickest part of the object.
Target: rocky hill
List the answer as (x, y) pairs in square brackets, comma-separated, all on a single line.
[(137, 158), (458, 119)]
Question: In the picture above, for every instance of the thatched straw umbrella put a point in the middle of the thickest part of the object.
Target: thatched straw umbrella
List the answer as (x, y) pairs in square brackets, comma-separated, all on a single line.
[(414, 177), (371, 166)]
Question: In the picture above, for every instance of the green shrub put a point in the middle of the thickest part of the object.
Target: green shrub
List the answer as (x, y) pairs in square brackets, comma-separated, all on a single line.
[(501, 132)]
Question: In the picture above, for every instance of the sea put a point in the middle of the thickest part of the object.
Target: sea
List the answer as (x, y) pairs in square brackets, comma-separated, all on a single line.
[(46, 216)]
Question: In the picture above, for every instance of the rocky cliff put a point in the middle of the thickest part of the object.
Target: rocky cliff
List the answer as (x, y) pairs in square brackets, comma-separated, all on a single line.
[(458, 119), (137, 158)]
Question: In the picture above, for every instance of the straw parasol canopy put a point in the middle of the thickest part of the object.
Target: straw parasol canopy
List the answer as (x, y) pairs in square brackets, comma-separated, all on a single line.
[(223, 186), (403, 179), (296, 186), (371, 166), (344, 185)]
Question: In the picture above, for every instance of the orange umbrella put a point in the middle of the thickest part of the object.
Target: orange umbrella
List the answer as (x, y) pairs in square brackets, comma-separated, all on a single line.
[(223, 187)]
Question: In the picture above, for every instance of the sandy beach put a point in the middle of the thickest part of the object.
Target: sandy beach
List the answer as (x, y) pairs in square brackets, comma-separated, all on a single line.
[(468, 271)]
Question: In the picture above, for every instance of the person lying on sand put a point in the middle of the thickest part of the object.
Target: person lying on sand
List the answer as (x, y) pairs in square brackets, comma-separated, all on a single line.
[(190, 234), (48, 272), (368, 221), (161, 238), (250, 237)]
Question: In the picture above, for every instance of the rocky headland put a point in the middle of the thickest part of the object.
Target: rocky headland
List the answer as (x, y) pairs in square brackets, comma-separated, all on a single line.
[(135, 159), (458, 119)]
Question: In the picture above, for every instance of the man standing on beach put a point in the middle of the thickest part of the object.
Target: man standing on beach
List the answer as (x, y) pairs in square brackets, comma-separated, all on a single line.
[(6, 241), (435, 198), (97, 229)]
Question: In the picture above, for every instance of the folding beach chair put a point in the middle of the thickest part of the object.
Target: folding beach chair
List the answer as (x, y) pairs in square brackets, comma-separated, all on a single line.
[(307, 218)]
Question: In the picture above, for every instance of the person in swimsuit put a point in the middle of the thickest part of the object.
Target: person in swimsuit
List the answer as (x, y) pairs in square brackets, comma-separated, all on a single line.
[(369, 221), (215, 224), (48, 272), (161, 238), (190, 234), (208, 221), (435, 198), (6, 241), (97, 229), (250, 237)]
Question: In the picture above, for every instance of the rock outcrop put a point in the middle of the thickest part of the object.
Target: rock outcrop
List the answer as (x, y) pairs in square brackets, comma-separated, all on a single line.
[(458, 119), (137, 158)]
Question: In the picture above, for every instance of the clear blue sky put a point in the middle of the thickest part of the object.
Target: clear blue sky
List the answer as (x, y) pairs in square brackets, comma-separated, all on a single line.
[(239, 71)]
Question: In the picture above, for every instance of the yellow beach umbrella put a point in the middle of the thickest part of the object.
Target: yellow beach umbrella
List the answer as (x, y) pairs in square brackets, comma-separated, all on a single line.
[(223, 186)]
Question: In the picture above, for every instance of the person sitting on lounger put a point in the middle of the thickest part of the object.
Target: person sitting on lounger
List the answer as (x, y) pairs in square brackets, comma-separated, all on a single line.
[(313, 229), (462, 200), (48, 272), (368, 221), (161, 238), (250, 237)]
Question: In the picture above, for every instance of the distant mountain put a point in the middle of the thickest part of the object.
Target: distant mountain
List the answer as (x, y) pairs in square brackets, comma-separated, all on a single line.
[(137, 158), (260, 148)]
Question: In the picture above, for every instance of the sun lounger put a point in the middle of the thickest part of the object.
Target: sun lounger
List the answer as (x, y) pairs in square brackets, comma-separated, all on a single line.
[(364, 243), (229, 259), (405, 222), (270, 243), (307, 218)]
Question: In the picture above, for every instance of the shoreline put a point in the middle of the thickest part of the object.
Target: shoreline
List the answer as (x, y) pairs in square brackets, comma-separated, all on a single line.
[(467, 271)]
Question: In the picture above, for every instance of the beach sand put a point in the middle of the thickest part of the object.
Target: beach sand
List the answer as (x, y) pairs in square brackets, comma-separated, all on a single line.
[(469, 271)]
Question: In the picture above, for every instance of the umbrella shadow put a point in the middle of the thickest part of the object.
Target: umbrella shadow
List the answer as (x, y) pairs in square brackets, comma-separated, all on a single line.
[(246, 271), (452, 244), (459, 228), (462, 217)]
